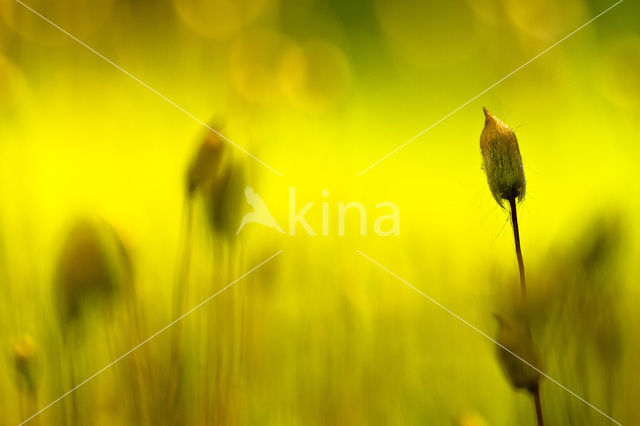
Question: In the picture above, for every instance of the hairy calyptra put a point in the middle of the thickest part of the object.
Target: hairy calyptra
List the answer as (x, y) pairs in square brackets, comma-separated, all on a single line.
[(501, 160)]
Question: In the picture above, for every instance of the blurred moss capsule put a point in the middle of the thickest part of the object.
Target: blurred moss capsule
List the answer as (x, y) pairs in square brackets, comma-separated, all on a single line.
[(516, 340), (470, 419), (24, 354), (204, 166), (93, 265), (501, 160), (223, 199)]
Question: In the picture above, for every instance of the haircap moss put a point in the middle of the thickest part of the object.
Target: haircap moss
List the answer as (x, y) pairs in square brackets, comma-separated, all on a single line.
[(501, 160)]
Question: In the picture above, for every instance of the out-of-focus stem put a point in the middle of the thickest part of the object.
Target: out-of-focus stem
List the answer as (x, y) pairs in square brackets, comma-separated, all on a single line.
[(182, 272), (536, 399), (180, 294)]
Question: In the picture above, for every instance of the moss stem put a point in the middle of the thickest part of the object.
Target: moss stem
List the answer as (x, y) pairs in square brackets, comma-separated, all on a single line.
[(523, 287), (180, 298), (182, 272), (536, 399), (516, 237)]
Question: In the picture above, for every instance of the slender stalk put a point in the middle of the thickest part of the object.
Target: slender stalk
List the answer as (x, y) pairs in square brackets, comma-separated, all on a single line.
[(516, 237), (536, 399), (182, 273), (180, 294), (72, 375), (523, 288)]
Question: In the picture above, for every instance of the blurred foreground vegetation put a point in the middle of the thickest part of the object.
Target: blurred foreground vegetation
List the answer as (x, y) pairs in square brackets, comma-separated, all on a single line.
[(103, 242)]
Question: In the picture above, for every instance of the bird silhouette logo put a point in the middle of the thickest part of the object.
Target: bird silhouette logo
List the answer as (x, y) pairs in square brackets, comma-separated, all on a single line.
[(260, 213)]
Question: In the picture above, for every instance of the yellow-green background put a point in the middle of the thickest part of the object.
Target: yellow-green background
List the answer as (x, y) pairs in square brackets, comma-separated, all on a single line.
[(319, 91)]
